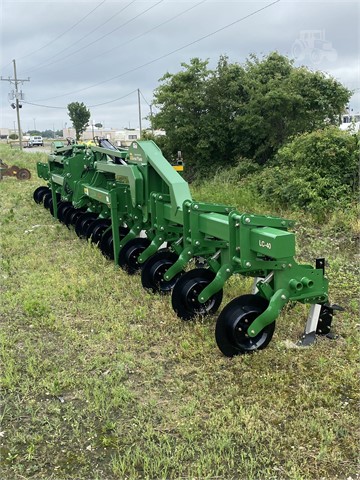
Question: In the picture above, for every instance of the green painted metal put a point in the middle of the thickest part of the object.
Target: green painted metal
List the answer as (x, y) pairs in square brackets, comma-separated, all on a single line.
[(139, 189)]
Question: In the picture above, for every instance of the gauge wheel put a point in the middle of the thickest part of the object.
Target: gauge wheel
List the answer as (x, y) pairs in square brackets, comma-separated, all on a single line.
[(154, 269), (234, 321), (185, 294), (130, 252)]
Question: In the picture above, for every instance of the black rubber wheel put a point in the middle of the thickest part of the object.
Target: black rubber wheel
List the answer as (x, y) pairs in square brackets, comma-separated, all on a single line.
[(82, 223), (68, 215), (325, 320), (102, 223), (129, 254), (184, 297), (152, 274), (233, 322), (46, 199), (98, 232), (63, 207), (72, 215), (39, 193), (106, 243)]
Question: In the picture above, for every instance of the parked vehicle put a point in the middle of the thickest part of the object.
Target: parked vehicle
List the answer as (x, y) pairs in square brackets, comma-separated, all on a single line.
[(36, 141)]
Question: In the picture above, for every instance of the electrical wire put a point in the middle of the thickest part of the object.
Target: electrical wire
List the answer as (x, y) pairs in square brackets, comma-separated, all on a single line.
[(106, 34), (62, 34), (45, 64), (115, 99), (144, 98), (117, 47), (166, 54), (89, 106)]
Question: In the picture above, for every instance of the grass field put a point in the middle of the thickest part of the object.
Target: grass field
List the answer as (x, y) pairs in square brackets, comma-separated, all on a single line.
[(101, 380)]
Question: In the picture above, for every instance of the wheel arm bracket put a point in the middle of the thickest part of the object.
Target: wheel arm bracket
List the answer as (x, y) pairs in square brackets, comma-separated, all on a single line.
[(277, 302), (217, 284)]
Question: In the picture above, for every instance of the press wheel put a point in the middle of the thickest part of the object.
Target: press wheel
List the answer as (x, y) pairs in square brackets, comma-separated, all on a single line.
[(152, 274), (129, 254), (184, 297), (39, 193), (234, 321)]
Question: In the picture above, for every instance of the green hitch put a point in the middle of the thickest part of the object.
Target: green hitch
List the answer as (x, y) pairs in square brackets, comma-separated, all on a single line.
[(277, 302), (223, 274)]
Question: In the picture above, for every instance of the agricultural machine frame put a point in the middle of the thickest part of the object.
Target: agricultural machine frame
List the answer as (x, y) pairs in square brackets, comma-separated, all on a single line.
[(140, 212)]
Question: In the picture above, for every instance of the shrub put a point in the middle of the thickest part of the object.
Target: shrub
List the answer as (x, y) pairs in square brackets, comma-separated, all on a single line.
[(316, 171)]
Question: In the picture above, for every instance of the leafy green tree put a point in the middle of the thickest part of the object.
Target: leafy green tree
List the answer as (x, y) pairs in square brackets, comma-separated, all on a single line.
[(283, 101), (80, 116), (251, 110), (13, 136)]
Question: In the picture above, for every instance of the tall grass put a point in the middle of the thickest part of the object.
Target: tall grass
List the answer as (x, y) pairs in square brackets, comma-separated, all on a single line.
[(100, 379)]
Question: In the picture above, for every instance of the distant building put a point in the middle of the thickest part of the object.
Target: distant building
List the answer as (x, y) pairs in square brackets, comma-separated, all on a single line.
[(120, 138), (5, 132), (350, 122)]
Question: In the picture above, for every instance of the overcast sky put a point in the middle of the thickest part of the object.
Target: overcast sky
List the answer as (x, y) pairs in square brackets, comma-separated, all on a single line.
[(99, 51)]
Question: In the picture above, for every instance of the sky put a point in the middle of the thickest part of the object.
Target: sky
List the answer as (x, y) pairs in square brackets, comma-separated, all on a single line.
[(100, 52)]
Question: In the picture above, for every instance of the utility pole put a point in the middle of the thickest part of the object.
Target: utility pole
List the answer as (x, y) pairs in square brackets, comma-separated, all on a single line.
[(151, 118), (18, 95), (139, 110)]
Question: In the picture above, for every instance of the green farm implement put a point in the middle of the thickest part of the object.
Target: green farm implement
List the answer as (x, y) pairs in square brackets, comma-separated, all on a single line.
[(137, 208)]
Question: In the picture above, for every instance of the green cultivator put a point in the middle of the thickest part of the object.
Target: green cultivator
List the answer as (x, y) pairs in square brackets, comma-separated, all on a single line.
[(139, 210)]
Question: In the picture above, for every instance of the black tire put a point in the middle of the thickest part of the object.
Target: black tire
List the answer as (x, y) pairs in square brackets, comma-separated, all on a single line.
[(234, 321), (72, 215), (23, 174), (106, 243), (82, 223), (187, 289), (129, 254), (152, 274), (99, 223), (63, 208), (46, 199), (39, 193), (98, 232)]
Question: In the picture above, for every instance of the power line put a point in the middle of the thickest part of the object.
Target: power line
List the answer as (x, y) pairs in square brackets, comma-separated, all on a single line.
[(115, 99), (106, 34), (169, 53), (79, 40), (141, 34), (144, 98), (89, 106), (62, 34), (45, 106)]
